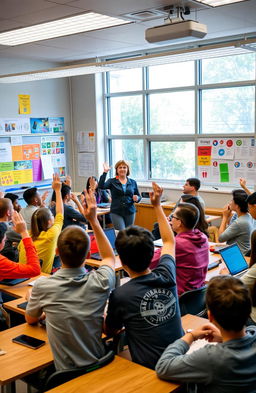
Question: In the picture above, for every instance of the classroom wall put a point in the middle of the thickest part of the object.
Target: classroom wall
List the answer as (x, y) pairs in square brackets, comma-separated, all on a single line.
[(48, 97)]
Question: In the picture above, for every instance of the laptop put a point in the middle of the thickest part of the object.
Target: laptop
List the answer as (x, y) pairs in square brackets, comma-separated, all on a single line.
[(111, 235), (234, 260), (13, 281)]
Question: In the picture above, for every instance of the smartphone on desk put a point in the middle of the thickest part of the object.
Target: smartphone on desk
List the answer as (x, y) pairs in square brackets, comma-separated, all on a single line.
[(23, 305), (28, 341)]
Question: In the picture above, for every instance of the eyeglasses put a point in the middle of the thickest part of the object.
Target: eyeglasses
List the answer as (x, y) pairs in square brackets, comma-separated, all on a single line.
[(173, 216)]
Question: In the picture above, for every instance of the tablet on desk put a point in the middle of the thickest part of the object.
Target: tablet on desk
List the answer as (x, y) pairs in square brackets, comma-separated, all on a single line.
[(23, 305), (13, 281)]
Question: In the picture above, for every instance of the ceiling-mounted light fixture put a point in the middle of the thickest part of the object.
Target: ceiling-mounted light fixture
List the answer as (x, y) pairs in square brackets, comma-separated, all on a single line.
[(218, 3), (59, 28)]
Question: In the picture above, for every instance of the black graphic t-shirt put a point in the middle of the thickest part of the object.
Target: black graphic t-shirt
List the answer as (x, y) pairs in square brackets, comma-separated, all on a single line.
[(148, 308)]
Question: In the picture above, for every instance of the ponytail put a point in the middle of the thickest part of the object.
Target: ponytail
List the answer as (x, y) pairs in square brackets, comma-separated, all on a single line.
[(39, 222)]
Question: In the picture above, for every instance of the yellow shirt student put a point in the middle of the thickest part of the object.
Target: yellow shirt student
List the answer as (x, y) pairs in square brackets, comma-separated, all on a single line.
[(45, 244)]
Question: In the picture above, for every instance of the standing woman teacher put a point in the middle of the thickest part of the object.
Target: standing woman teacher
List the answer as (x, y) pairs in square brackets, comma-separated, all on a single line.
[(124, 192)]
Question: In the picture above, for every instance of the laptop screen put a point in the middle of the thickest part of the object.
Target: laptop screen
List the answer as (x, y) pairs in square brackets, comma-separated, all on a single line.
[(233, 259), (111, 235)]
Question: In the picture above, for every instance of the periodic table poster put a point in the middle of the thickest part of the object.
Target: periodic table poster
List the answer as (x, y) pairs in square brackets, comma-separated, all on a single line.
[(225, 160)]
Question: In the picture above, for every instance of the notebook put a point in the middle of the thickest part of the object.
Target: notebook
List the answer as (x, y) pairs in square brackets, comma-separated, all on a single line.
[(234, 260), (111, 235)]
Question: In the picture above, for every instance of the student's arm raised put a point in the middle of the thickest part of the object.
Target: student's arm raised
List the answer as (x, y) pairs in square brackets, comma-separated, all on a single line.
[(164, 226), (105, 249), (56, 186)]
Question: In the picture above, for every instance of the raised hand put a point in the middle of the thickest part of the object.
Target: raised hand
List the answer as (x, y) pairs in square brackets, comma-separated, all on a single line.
[(155, 195), (19, 225), (93, 184), (106, 167), (68, 181), (242, 182), (44, 196), (56, 183), (90, 210)]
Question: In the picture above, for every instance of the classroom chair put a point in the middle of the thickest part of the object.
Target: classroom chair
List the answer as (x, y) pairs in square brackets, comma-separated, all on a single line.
[(193, 302), (60, 377)]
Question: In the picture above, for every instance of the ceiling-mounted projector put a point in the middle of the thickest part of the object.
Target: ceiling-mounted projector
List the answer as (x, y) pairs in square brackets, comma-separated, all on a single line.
[(174, 30)]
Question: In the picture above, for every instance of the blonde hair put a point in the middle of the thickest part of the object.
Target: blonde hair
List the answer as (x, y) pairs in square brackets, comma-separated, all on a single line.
[(122, 162)]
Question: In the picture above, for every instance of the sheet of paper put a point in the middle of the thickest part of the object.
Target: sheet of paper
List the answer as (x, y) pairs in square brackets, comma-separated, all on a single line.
[(47, 166), (24, 104), (5, 152), (86, 141), (86, 164), (16, 140)]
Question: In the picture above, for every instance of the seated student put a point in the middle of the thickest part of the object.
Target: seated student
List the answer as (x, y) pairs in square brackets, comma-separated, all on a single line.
[(190, 188), (72, 300), (191, 248), (102, 196), (15, 201), (239, 230), (228, 366), (12, 238), (45, 230), (10, 269), (147, 305), (71, 216), (34, 201)]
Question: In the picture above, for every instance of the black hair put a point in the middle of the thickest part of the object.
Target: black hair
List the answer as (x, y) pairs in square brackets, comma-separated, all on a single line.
[(88, 183), (188, 214), (240, 199), (65, 190), (194, 182), (202, 224), (73, 245), (135, 247), (3, 229), (11, 196), (228, 300), (29, 195), (251, 199)]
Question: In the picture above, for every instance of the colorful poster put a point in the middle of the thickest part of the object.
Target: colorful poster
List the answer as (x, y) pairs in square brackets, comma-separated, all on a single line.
[(10, 127), (56, 124), (21, 165), (37, 170), (23, 176), (39, 125), (17, 153), (224, 173), (54, 146), (24, 104), (31, 152), (204, 160), (6, 166), (6, 178)]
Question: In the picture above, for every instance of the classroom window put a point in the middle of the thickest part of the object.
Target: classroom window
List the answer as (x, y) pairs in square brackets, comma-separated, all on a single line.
[(228, 110), (155, 115), (132, 151), (172, 113), (167, 160), (126, 115), (127, 80), (172, 75)]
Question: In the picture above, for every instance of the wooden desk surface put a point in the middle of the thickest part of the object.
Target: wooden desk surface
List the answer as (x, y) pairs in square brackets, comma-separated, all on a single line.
[(13, 305), (95, 263), (19, 360), (119, 375), (28, 360), (19, 290)]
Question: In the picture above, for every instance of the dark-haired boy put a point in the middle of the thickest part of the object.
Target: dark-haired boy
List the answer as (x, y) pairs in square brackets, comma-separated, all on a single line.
[(73, 300), (34, 201), (191, 248), (228, 366), (13, 238), (147, 305)]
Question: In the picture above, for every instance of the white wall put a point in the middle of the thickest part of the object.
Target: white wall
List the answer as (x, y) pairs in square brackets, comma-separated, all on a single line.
[(48, 97)]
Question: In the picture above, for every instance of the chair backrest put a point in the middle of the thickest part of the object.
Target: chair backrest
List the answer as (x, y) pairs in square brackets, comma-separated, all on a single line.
[(193, 302), (60, 377)]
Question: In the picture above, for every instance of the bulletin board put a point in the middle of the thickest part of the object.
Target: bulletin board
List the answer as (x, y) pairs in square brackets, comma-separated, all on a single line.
[(224, 160), (31, 150)]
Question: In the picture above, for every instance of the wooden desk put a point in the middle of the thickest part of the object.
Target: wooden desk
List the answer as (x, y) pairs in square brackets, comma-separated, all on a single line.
[(97, 264), (145, 216), (119, 375), (13, 305), (19, 290), (19, 360)]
